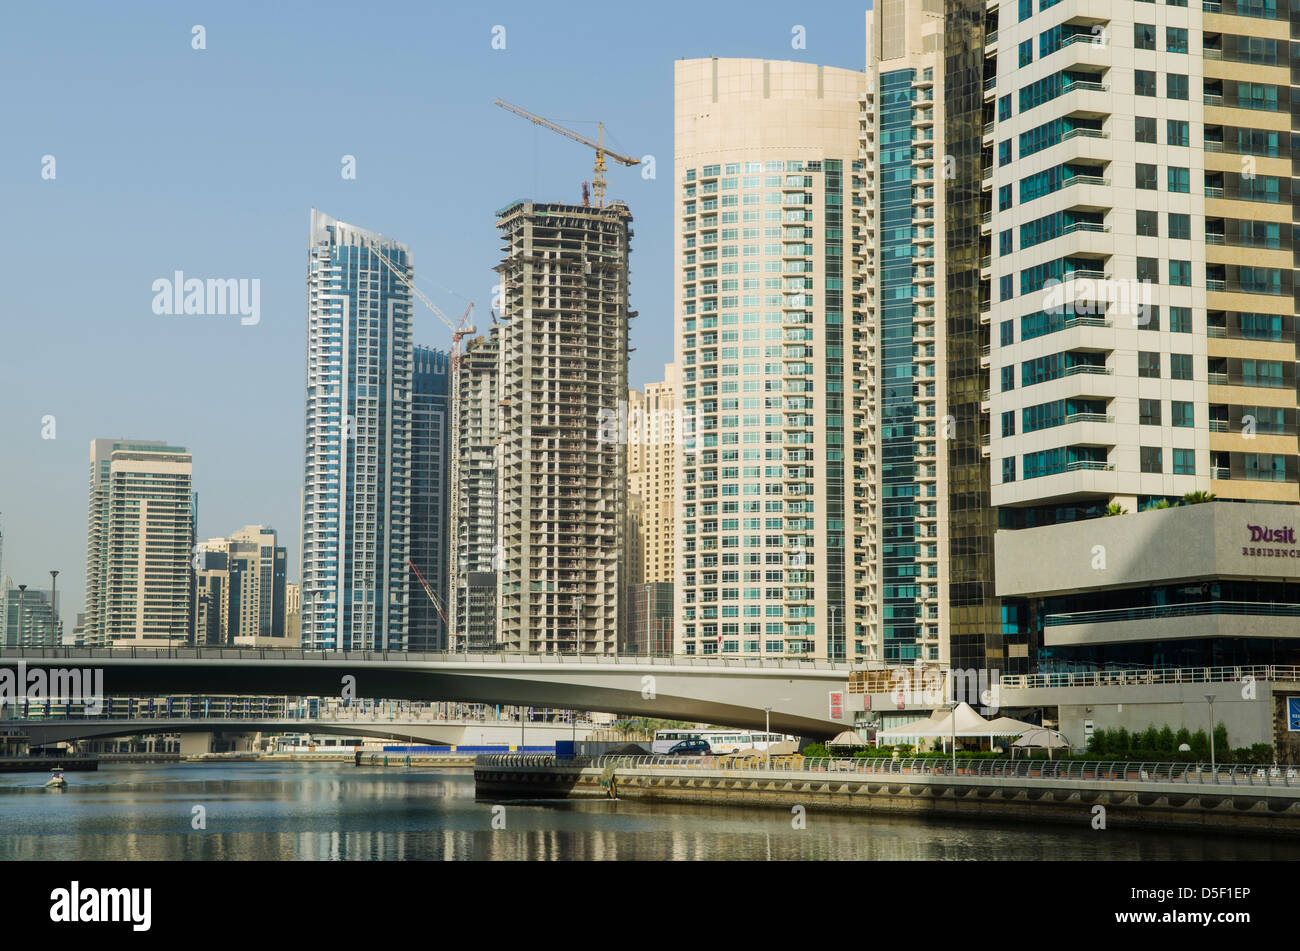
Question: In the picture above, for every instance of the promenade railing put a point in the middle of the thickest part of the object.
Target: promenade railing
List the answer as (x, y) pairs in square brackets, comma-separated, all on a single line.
[(1229, 774)]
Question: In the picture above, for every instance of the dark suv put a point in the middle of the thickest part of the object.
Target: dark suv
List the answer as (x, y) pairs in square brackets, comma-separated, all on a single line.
[(690, 748)]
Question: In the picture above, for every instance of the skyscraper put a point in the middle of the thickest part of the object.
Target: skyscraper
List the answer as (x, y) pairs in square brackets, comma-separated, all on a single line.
[(1138, 184), (903, 138), (357, 470), (563, 463), (474, 559), (774, 522), (430, 493), (139, 541)]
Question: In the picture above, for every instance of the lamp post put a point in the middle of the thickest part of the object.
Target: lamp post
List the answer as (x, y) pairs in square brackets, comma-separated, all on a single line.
[(952, 718), (831, 643), (18, 637), (1210, 698), (54, 609), (578, 604)]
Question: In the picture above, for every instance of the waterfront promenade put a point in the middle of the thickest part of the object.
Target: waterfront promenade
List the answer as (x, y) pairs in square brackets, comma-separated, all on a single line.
[(1257, 800)]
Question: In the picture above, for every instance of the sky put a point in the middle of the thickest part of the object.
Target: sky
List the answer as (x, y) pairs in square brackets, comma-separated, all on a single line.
[(208, 161)]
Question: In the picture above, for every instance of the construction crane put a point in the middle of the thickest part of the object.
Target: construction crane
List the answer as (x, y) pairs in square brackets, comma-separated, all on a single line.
[(598, 180), (437, 606)]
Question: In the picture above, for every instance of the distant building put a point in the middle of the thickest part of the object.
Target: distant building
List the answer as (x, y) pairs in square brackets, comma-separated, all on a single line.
[(292, 615), (240, 590), (652, 440), (139, 539), (27, 618), (430, 494), (650, 610), (474, 499)]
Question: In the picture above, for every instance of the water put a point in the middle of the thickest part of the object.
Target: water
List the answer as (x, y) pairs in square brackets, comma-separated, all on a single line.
[(257, 811)]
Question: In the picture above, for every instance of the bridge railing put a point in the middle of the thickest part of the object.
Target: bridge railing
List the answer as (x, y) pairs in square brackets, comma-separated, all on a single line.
[(307, 710), (13, 655), (1274, 775)]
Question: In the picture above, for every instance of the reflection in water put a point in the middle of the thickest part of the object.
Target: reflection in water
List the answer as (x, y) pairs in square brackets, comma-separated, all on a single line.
[(332, 811)]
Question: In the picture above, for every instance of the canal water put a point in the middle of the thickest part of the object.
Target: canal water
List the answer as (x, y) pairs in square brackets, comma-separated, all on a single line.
[(255, 811)]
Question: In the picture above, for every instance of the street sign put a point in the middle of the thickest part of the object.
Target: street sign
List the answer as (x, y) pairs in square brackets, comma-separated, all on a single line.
[(1293, 714), (837, 705)]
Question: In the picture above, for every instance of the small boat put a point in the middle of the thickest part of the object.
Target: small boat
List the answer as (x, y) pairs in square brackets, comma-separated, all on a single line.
[(56, 780)]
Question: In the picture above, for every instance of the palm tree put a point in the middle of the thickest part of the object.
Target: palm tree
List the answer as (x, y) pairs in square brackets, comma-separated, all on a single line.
[(1161, 504), (1115, 509), (1196, 498)]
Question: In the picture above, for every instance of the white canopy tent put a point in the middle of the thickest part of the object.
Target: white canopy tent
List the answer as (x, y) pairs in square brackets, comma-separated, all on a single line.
[(1040, 738), (968, 724), (847, 738)]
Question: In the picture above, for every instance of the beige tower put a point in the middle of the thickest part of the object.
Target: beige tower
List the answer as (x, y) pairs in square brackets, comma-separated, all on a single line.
[(768, 549), (138, 546)]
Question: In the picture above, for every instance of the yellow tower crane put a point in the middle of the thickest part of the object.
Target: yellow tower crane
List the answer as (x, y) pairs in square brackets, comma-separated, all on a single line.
[(598, 179)]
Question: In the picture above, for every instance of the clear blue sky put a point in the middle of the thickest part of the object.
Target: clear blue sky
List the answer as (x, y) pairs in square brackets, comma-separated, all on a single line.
[(208, 162)]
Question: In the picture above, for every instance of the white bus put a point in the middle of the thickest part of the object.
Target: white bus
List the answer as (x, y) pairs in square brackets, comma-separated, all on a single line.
[(720, 741)]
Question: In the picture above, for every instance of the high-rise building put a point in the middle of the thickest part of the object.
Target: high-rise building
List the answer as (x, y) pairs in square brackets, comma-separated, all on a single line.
[(240, 590), (903, 294), (474, 555), (430, 494), (140, 536), (356, 486), (774, 526), (563, 464), (1145, 301), (1137, 176)]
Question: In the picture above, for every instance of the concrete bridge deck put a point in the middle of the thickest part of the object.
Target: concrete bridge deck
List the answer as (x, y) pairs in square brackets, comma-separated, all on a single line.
[(802, 695)]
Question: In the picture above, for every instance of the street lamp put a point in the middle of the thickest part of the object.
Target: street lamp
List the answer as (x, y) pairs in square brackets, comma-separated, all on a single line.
[(1210, 698), (578, 604), (54, 609), (18, 638)]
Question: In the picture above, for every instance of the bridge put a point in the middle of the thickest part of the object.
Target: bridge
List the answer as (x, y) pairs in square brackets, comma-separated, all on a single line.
[(42, 724), (805, 698)]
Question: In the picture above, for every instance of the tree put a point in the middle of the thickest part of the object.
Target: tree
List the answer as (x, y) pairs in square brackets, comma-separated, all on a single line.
[(1196, 498), (1115, 509), (1161, 504)]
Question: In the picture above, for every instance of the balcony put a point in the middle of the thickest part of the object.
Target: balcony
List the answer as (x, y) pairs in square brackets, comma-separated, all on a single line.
[(1087, 368), (1088, 465)]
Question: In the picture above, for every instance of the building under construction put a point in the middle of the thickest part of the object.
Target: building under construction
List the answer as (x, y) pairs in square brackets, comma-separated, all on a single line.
[(563, 463), (474, 506)]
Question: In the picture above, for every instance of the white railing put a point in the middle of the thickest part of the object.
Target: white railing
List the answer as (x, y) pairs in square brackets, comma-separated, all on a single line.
[(1150, 676), (1272, 775)]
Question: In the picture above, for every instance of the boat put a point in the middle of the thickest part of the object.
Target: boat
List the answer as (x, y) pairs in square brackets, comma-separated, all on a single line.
[(56, 780)]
